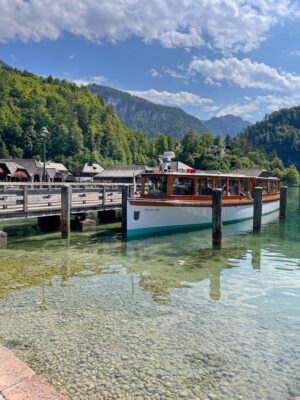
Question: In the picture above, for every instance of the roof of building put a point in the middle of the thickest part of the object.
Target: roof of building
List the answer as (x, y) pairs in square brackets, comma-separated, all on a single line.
[(58, 166), (32, 166), (12, 166), (121, 171), (89, 168), (51, 172), (251, 172)]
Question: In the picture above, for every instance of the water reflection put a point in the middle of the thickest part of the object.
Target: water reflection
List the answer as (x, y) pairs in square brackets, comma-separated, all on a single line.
[(163, 317), (163, 262)]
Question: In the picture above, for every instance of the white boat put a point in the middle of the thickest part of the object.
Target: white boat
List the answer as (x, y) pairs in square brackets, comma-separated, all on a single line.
[(171, 201)]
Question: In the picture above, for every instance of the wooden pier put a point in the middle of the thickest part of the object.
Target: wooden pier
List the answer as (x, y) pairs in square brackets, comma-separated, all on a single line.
[(27, 200), (49, 201)]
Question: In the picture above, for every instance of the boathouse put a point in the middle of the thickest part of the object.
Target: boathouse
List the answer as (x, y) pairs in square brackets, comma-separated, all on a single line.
[(258, 172), (33, 168), (12, 172), (120, 174), (57, 172), (87, 172), (30, 170)]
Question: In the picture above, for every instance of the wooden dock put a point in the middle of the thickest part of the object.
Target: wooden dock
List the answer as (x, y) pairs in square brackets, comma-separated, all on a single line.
[(27, 200)]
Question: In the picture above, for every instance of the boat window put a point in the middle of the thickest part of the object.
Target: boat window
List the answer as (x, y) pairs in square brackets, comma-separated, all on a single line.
[(244, 187), (273, 186), (221, 183), (183, 186), (210, 185), (233, 187), (155, 186), (202, 186), (265, 186)]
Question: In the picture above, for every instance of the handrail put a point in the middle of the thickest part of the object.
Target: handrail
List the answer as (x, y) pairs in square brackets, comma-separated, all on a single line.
[(60, 184)]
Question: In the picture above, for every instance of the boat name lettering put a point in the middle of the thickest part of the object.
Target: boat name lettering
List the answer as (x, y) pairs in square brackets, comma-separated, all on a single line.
[(152, 209)]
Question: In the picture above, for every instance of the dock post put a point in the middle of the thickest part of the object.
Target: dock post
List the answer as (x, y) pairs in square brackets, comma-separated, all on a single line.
[(25, 199), (257, 208), (217, 216), (299, 197), (125, 192), (283, 202), (3, 236), (103, 195), (66, 204)]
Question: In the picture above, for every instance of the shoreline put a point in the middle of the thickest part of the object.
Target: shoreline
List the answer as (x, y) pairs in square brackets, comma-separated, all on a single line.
[(20, 382)]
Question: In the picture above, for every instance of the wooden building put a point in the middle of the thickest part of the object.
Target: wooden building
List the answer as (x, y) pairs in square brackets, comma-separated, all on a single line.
[(55, 172), (120, 174), (33, 167), (258, 172), (12, 172), (87, 172)]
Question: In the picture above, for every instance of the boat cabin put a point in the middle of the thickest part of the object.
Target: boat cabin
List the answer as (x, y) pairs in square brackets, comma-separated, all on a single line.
[(200, 186)]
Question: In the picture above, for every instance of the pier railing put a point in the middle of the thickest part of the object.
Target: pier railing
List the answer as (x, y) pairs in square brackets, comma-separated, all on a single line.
[(26, 199)]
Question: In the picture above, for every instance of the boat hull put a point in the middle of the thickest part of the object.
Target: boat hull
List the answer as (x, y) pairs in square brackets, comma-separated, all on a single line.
[(151, 217)]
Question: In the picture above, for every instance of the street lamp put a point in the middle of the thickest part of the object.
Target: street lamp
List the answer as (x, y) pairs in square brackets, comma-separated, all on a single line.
[(44, 133)]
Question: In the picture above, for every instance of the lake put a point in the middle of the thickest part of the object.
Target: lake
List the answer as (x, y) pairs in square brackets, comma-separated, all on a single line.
[(161, 317)]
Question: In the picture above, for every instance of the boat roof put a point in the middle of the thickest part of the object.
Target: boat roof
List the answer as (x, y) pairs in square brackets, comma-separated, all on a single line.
[(209, 175)]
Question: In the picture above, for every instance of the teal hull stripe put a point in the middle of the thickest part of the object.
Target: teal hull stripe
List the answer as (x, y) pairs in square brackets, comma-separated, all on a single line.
[(156, 229)]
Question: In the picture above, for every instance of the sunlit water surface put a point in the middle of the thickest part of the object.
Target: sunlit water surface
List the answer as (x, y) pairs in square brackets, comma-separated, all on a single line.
[(163, 317)]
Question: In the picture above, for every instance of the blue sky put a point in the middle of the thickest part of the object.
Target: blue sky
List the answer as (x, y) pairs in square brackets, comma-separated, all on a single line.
[(218, 57)]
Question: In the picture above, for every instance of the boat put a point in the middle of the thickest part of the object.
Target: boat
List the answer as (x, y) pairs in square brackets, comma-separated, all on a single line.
[(178, 200)]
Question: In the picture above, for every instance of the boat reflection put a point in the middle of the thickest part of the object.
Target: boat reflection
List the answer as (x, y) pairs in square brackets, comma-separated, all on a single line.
[(159, 264)]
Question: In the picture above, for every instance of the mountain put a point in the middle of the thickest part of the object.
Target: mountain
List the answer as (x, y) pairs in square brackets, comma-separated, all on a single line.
[(4, 65), (138, 113), (227, 124), (278, 132), (82, 127)]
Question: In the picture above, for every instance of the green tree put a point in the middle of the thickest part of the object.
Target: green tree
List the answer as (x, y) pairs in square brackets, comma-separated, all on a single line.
[(291, 175)]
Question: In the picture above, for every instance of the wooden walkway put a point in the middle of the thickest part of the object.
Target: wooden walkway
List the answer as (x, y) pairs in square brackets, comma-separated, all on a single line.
[(25, 200)]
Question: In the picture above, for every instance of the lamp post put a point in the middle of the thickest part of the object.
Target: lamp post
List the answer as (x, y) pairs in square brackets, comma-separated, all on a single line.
[(44, 133)]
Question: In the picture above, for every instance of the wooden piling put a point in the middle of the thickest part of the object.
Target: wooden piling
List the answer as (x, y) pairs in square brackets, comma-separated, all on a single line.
[(25, 199), (217, 216), (66, 204), (3, 236), (125, 192), (283, 202), (257, 208), (103, 195)]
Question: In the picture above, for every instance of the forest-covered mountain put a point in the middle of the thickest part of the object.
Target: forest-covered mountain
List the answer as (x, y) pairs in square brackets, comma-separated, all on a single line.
[(4, 65), (83, 128), (278, 132), (138, 113), (226, 125)]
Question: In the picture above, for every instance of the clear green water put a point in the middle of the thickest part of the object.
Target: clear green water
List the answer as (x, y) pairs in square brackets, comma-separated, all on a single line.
[(164, 317)]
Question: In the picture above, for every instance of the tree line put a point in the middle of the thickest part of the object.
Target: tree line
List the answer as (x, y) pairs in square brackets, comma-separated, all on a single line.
[(83, 128)]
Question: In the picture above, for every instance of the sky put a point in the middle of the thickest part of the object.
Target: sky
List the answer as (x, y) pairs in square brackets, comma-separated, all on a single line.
[(209, 57)]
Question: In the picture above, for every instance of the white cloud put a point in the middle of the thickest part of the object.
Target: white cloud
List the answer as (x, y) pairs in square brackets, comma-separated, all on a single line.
[(227, 25), (154, 73), (256, 108), (99, 79), (175, 74), (171, 98), (245, 74)]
